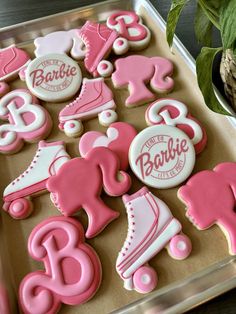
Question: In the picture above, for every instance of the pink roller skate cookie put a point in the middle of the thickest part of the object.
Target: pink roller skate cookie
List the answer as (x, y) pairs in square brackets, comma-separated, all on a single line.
[(78, 184), (60, 42), (27, 120), (48, 159), (118, 139), (210, 199), (53, 77), (151, 227), (173, 112), (162, 156), (98, 39), (129, 26), (12, 60), (72, 272), (95, 98), (156, 70)]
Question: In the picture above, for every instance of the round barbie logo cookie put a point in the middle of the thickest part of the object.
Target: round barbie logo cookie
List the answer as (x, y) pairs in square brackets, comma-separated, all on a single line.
[(53, 77), (162, 156)]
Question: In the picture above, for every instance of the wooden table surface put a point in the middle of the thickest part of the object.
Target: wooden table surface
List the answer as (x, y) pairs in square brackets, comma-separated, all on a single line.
[(16, 11)]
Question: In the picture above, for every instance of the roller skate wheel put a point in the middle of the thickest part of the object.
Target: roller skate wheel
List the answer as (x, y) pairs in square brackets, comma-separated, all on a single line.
[(180, 246), (105, 68), (107, 117), (145, 279), (73, 128), (4, 88), (120, 46), (20, 208)]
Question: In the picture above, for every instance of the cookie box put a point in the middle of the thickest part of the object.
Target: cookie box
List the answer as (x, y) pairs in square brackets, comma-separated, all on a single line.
[(209, 270)]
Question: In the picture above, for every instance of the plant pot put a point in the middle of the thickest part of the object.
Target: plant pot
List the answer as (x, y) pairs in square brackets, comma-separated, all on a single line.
[(228, 75)]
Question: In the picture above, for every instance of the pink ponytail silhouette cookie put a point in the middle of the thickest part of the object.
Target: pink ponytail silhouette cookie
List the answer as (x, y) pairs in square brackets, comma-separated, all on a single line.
[(78, 184), (72, 272), (210, 199)]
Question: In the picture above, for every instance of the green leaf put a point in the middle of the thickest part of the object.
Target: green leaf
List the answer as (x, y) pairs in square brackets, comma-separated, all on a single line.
[(228, 24), (173, 17), (204, 64), (203, 27)]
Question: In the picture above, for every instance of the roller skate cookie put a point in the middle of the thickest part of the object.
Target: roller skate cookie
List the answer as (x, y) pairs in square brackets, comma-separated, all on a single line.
[(118, 139), (78, 184), (151, 227), (53, 77), (175, 113), (48, 159), (155, 70), (72, 272), (162, 156), (63, 42), (27, 120), (95, 99), (210, 196)]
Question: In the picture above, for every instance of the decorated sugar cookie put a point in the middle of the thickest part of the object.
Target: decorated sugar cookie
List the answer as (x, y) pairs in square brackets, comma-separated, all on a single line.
[(72, 272), (53, 77), (162, 156), (173, 112), (48, 158), (95, 99), (156, 70), (60, 42), (118, 139), (79, 182), (151, 227), (12, 60), (129, 26), (210, 197), (27, 120)]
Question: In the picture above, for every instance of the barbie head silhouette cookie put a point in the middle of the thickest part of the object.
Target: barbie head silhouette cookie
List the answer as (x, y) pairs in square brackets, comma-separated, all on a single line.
[(27, 120), (210, 199), (78, 184), (72, 272)]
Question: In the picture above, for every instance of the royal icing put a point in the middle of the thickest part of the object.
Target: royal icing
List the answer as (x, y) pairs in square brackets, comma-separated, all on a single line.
[(72, 272), (60, 42), (162, 156), (48, 158), (151, 227), (155, 70), (98, 40), (118, 139), (12, 59), (95, 97), (210, 199), (85, 178), (129, 25), (173, 112), (53, 77), (27, 120)]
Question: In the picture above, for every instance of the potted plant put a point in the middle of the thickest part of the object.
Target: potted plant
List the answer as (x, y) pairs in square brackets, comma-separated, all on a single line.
[(222, 15)]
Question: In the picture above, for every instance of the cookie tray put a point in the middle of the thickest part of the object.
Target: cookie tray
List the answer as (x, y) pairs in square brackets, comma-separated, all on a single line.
[(209, 271)]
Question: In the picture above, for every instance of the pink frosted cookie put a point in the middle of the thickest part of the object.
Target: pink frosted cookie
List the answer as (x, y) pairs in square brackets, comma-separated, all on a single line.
[(151, 227), (173, 112), (48, 158), (60, 42), (53, 77), (118, 139), (95, 99), (210, 199), (72, 272), (131, 29), (78, 184), (28, 121), (12, 60), (136, 71), (162, 156)]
